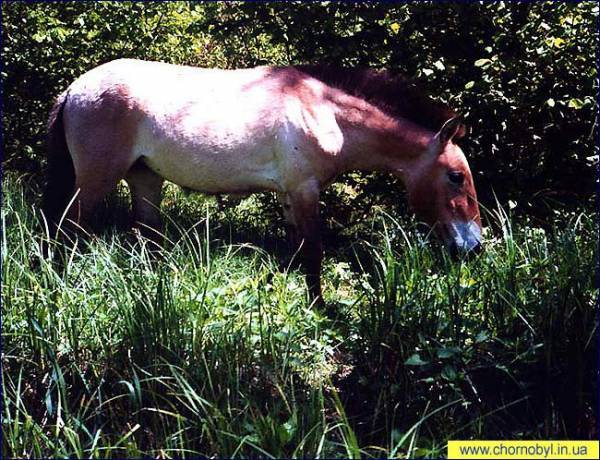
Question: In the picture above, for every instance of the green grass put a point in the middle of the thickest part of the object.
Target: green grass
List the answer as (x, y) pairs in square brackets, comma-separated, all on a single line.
[(213, 349)]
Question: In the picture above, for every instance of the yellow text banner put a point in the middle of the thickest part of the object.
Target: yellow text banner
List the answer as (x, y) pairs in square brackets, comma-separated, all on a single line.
[(523, 449)]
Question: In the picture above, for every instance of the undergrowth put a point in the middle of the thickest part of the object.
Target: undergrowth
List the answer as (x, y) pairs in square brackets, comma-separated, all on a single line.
[(211, 347)]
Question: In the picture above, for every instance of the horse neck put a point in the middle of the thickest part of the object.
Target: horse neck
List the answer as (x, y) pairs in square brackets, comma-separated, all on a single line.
[(374, 141)]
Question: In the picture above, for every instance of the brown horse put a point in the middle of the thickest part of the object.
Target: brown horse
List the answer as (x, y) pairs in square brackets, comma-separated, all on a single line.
[(290, 130)]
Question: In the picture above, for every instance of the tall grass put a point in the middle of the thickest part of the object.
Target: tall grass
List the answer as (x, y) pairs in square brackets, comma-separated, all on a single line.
[(212, 348)]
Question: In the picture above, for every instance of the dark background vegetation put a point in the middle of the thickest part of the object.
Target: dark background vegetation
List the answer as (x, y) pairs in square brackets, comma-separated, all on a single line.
[(503, 347), (522, 74)]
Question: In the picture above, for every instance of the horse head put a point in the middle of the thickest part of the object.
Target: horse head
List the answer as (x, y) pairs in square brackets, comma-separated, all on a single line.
[(441, 191)]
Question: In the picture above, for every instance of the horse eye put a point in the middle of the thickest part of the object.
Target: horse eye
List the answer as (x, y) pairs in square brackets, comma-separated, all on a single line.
[(456, 177)]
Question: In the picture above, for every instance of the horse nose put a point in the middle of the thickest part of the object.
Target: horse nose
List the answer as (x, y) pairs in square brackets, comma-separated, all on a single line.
[(464, 237)]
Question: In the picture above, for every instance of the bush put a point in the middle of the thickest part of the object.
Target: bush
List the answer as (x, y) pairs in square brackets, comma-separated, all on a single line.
[(523, 74), (213, 350)]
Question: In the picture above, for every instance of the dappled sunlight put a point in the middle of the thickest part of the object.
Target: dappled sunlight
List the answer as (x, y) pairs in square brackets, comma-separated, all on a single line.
[(211, 343), (230, 336)]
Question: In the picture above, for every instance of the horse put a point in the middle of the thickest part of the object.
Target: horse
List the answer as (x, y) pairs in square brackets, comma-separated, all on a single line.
[(290, 130)]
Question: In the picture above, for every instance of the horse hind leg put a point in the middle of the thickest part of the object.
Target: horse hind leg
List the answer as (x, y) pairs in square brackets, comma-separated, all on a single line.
[(91, 187), (101, 138), (146, 194)]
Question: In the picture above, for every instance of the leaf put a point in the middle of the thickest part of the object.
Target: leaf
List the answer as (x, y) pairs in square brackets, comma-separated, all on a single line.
[(550, 102), (470, 85), (427, 72), (48, 400), (481, 336), (39, 37), (555, 42), (439, 65), (575, 103), (395, 27), (287, 430), (415, 360), (467, 282), (482, 62), (449, 372), (447, 352)]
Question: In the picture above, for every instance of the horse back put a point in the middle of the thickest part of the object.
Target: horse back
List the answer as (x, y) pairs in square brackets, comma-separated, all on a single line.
[(210, 130)]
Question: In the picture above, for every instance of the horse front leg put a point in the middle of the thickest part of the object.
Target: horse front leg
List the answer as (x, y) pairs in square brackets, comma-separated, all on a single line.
[(290, 225), (303, 214)]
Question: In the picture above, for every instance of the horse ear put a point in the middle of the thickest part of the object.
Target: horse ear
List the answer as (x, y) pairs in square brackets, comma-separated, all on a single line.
[(454, 127)]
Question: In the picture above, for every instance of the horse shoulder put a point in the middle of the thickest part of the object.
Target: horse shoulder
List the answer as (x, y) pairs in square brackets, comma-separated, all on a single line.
[(313, 114)]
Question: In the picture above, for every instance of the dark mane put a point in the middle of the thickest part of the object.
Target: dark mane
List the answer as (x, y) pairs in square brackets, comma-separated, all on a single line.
[(394, 94)]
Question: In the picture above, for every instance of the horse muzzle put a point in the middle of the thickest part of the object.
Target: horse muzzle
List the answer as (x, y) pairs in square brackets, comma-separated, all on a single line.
[(463, 238)]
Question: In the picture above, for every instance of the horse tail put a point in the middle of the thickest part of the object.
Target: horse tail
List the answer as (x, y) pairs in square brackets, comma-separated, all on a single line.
[(60, 172)]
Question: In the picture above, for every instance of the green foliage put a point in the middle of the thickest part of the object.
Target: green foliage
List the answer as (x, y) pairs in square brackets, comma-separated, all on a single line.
[(497, 63), (523, 74), (47, 46), (212, 349)]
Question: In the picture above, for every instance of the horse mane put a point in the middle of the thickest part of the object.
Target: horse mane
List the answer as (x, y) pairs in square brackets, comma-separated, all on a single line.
[(395, 95)]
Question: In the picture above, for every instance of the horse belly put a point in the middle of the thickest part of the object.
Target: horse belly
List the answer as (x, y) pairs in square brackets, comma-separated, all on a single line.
[(210, 167)]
